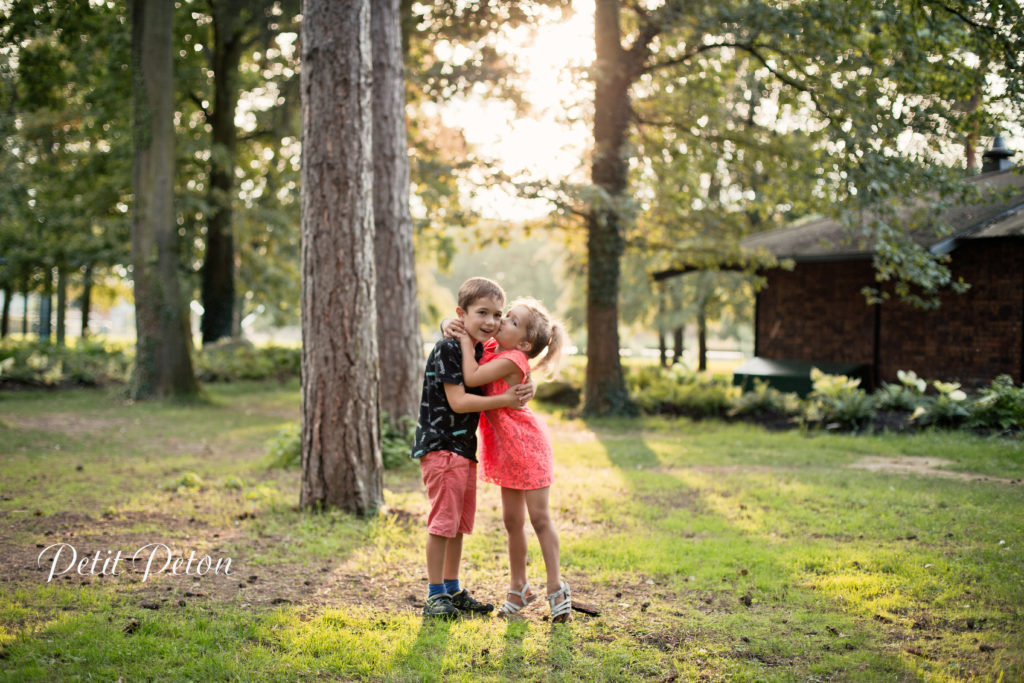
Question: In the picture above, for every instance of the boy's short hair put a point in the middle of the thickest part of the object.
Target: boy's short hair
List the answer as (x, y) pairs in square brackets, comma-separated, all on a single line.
[(479, 288)]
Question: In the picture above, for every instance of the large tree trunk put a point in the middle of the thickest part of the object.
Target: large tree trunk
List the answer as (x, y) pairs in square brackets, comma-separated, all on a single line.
[(341, 458), (605, 385), (398, 327), (163, 360), (218, 271)]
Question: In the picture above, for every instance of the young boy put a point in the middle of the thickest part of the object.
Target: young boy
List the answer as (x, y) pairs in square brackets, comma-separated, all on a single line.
[(446, 446)]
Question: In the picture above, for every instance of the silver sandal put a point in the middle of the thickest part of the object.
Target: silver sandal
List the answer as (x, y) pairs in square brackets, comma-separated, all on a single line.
[(563, 608), (509, 608)]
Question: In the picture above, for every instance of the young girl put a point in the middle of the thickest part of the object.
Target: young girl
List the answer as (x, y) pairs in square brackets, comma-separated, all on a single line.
[(515, 450)]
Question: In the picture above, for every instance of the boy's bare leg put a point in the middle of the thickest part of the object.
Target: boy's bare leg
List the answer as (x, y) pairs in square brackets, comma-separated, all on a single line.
[(513, 511), (437, 547), (452, 558), (540, 518)]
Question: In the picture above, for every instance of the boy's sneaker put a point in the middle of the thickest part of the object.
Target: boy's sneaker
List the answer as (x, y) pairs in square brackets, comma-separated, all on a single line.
[(465, 602), (440, 606)]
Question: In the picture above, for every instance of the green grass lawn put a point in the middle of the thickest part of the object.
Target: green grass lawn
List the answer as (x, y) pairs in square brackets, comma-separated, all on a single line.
[(714, 552)]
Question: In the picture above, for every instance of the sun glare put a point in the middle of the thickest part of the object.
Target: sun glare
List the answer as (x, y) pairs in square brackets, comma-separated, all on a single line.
[(550, 140)]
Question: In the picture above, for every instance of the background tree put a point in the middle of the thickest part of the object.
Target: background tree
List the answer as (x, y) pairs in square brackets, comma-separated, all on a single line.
[(398, 330), (866, 74), (163, 360), (341, 457)]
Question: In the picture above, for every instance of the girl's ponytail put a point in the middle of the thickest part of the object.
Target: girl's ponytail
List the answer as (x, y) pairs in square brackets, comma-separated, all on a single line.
[(552, 360)]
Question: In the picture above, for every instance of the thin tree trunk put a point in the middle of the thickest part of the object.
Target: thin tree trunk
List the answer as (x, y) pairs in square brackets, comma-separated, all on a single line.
[(218, 271), (702, 336), (24, 315), (62, 304), (398, 327), (605, 384), (677, 344), (46, 307), (163, 360), (5, 315), (662, 347), (86, 301), (341, 458)]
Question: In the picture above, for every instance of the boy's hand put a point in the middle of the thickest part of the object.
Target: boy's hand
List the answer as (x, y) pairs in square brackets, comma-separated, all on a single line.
[(525, 390), (453, 327), (511, 397)]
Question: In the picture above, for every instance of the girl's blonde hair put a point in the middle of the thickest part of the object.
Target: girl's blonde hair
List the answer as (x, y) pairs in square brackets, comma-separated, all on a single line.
[(542, 332)]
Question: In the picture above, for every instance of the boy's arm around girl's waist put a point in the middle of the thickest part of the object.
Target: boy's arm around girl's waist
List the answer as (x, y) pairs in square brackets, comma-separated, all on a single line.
[(463, 402)]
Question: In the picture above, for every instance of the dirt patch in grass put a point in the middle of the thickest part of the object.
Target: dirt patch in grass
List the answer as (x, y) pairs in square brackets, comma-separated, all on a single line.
[(71, 424), (921, 465)]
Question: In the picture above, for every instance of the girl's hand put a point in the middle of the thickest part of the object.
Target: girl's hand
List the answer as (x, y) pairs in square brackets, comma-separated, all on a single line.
[(453, 327)]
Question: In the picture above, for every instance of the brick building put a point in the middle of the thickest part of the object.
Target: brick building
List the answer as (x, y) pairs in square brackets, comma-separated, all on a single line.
[(816, 312)]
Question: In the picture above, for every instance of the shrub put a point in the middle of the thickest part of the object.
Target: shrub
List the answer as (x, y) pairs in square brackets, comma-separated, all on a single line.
[(678, 392), (948, 407), (1000, 405), (234, 360), (88, 363), (397, 437), (764, 399), (285, 450), (837, 400), (905, 396)]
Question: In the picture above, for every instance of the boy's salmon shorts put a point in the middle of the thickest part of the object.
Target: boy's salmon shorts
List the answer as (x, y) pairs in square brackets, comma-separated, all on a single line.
[(451, 485)]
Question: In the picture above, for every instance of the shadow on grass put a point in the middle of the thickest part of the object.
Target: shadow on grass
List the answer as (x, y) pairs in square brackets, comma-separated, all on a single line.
[(746, 610), (424, 659), (512, 656)]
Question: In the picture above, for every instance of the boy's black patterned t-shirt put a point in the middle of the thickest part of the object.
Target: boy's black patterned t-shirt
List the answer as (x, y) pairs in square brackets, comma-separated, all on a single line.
[(440, 428)]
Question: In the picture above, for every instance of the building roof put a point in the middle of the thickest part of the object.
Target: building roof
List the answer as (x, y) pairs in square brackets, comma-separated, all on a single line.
[(824, 239)]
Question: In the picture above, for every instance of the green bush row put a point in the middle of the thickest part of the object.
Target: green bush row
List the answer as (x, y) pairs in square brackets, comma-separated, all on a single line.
[(87, 363), (835, 401), (97, 362)]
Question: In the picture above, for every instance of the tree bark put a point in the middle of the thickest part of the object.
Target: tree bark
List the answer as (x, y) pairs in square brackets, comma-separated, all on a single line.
[(341, 458), (218, 272), (46, 307), (163, 365), (662, 347), (398, 327), (677, 344), (605, 384)]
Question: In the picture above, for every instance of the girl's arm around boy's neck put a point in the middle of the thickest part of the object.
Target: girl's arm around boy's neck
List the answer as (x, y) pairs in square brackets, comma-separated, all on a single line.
[(476, 375)]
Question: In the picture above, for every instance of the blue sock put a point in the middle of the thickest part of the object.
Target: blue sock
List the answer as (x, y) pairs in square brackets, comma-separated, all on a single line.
[(434, 589), (451, 586)]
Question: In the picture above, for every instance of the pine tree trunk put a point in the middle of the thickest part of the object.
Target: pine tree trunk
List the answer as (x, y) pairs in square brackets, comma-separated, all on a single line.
[(605, 384), (341, 458), (218, 272), (398, 327), (163, 360)]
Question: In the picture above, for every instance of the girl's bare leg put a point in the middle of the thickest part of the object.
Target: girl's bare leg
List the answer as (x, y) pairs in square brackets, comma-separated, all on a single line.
[(513, 512), (540, 518)]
